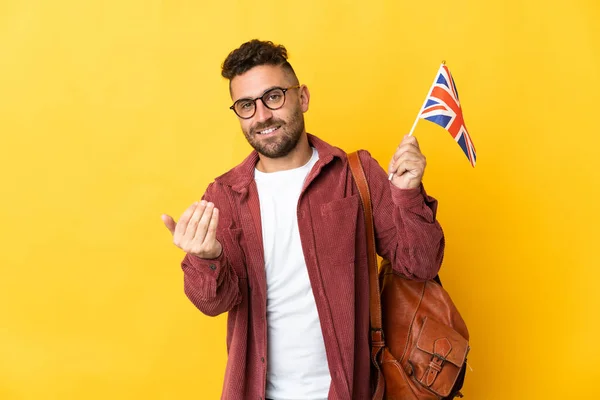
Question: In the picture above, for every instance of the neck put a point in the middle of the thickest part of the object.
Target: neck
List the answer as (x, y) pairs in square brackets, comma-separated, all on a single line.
[(296, 158)]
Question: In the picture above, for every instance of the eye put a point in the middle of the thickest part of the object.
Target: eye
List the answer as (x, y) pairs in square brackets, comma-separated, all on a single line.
[(245, 105), (274, 96)]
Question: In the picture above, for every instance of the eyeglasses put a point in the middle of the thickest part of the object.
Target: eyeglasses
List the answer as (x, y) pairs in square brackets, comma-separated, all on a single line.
[(273, 99)]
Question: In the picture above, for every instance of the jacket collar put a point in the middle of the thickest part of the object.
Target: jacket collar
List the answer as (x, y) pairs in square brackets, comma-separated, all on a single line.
[(239, 177)]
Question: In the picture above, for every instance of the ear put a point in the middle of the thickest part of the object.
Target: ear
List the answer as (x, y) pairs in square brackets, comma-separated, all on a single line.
[(304, 98)]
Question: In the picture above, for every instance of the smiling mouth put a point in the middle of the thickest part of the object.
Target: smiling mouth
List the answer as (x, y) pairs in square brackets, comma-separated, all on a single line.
[(268, 131)]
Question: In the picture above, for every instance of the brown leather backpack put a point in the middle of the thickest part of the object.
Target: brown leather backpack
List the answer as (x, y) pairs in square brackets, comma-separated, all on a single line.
[(419, 341)]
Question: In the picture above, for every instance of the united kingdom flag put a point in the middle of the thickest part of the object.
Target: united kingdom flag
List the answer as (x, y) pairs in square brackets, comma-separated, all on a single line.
[(443, 108)]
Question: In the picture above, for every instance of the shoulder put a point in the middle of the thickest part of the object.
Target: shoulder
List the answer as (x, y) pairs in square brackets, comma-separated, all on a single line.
[(369, 163)]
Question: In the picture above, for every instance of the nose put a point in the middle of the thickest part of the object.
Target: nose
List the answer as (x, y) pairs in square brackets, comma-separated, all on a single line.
[(262, 112)]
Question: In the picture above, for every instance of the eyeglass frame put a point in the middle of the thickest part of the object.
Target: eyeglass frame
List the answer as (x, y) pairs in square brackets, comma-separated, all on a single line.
[(284, 90)]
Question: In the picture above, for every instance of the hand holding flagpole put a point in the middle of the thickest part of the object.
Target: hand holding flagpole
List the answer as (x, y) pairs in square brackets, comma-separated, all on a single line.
[(442, 107), (420, 112)]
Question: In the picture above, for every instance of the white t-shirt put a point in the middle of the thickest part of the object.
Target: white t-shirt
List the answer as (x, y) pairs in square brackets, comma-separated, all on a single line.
[(297, 365)]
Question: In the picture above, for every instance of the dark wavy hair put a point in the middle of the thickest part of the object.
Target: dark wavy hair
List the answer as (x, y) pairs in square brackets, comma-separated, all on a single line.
[(252, 54)]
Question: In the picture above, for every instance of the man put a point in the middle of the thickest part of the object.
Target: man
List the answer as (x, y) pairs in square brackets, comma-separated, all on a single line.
[(279, 242)]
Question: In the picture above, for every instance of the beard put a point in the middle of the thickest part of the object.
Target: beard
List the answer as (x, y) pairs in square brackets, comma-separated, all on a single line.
[(283, 141)]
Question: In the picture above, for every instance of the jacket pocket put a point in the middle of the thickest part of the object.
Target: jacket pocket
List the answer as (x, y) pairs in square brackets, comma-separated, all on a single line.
[(336, 231)]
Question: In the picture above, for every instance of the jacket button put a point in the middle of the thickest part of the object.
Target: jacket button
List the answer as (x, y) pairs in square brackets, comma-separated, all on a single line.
[(262, 359), (212, 266)]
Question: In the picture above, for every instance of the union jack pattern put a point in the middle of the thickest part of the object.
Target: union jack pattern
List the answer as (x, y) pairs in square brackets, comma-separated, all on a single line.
[(442, 107)]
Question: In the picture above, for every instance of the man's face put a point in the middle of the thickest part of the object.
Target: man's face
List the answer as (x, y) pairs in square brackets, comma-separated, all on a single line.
[(272, 133)]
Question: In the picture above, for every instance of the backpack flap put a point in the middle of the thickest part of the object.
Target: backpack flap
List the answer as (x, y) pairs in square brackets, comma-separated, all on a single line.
[(438, 357)]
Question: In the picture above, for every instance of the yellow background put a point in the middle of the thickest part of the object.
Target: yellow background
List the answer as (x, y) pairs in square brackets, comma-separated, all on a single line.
[(113, 112)]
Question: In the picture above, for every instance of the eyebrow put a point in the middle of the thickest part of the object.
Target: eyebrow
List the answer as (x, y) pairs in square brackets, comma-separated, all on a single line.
[(263, 93)]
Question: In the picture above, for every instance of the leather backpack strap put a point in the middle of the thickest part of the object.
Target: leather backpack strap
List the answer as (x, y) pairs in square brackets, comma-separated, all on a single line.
[(365, 197), (377, 339)]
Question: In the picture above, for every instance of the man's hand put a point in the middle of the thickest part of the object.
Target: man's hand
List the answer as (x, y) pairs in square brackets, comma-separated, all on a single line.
[(195, 233), (407, 164)]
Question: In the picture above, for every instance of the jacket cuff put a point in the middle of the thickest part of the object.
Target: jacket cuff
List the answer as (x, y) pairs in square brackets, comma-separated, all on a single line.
[(212, 266), (407, 198)]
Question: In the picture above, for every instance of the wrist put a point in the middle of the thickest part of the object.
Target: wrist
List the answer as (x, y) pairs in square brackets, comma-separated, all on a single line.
[(211, 255)]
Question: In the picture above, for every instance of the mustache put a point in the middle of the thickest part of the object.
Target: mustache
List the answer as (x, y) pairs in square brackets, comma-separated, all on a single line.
[(266, 124)]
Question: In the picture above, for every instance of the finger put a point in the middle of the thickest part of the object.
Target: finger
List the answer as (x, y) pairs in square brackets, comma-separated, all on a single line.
[(202, 229), (407, 155), (169, 223), (408, 144), (212, 226), (410, 140), (183, 221), (415, 168), (402, 153), (192, 225)]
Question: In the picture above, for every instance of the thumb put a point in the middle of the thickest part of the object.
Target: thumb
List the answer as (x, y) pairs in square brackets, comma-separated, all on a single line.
[(169, 223)]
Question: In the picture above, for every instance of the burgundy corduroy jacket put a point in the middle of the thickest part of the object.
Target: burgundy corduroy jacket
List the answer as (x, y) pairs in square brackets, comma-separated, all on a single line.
[(332, 232)]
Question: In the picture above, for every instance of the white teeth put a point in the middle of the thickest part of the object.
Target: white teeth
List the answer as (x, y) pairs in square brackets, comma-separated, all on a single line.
[(267, 131)]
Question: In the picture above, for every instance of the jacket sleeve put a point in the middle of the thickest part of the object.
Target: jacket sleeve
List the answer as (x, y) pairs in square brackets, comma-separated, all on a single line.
[(406, 230), (212, 285)]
